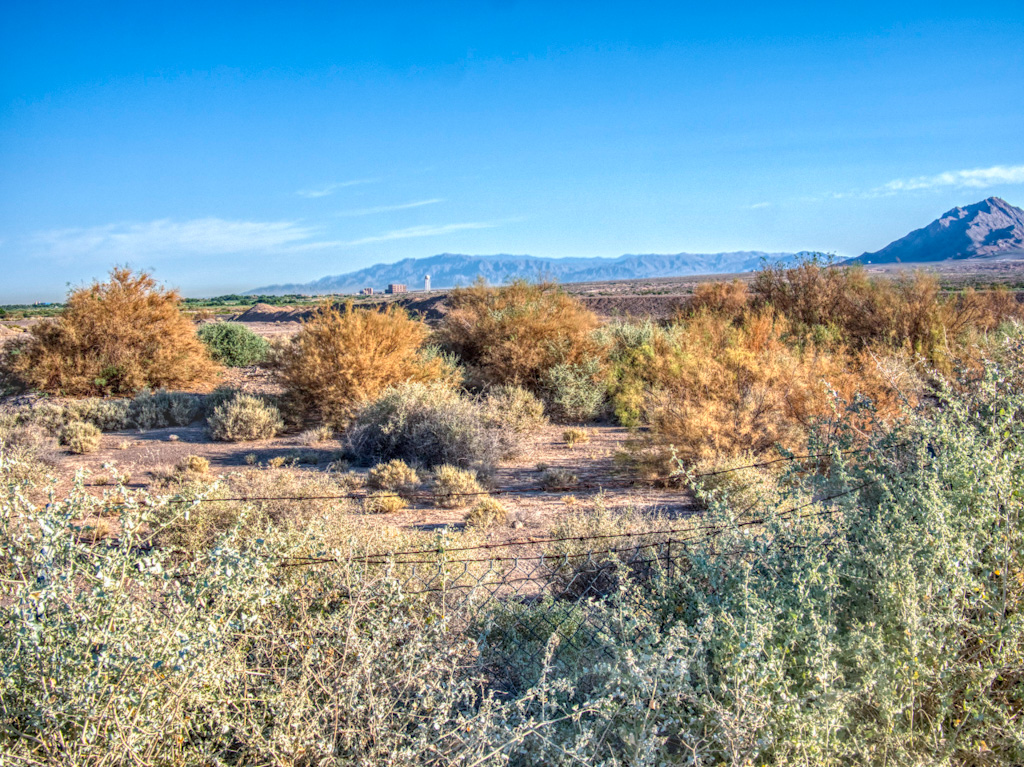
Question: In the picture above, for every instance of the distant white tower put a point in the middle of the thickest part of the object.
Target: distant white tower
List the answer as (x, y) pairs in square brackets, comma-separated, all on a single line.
[(426, 283)]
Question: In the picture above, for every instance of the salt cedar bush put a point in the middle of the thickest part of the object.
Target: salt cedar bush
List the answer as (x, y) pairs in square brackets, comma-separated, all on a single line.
[(244, 418), (116, 337), (233, 345), (341, 359), (724, 388), (908, 313), (728, 299), (513, 334)]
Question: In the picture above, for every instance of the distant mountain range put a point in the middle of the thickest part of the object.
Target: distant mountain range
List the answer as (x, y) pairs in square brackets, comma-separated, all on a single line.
[(991, 228), (451, 269)]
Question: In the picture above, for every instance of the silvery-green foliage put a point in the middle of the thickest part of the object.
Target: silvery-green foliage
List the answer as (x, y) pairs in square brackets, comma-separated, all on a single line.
[(574, 392)]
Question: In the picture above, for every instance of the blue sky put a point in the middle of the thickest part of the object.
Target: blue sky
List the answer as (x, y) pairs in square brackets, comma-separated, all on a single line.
[(226, 146)]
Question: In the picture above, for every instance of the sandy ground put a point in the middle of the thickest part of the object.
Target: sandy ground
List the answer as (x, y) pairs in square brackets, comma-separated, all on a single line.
[(148, 456)]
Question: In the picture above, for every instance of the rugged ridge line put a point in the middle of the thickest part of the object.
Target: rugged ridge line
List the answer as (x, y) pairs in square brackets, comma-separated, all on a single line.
[(989, 229), (448, 270)]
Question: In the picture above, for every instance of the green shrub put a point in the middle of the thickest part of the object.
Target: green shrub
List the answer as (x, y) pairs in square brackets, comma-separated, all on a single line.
[(232, 344), (80, 437), (574, 392), (454, 487), (394, 475), (427, 424), (244, 418)]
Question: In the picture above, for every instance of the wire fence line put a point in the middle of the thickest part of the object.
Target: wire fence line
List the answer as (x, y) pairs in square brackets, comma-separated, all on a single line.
[(552, 605), (677, 477)]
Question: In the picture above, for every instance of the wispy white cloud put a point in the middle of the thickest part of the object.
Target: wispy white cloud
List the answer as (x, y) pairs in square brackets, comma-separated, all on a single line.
[(427, 230), (202, 236), (975, 178), (759, 205), (329, 189), (389, 208)]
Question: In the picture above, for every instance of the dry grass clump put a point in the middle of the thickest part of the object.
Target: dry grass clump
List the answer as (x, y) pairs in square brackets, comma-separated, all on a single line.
[(115, 337), (243, 419), (574, 436), (395, 475), (487, 512), (197, 528), (558, 479), (384, 503), (27, 448), (513, 408), (316, 435), (343, 358), (79, 437), (454, 487), (193, 464), (513, 334)]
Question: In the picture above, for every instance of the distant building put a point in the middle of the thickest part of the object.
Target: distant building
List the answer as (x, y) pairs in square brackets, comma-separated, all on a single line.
[(426, 283), (394, 287), (367, 291)]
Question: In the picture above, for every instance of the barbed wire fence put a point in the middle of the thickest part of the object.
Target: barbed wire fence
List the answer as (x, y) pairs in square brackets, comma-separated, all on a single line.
[(543, 597)]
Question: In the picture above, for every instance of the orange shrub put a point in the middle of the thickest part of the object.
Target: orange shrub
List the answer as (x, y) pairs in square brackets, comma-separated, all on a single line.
[(513, 334), (725, 298), (908, 312), (343, 358), (116, 337), (724, 389)]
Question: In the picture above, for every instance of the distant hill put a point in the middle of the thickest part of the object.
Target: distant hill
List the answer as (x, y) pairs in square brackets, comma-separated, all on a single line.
[(451, 269), (991, 228)]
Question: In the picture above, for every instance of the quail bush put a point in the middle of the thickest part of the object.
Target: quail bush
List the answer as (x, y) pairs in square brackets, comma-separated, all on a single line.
[(429, 424), (513, 408)]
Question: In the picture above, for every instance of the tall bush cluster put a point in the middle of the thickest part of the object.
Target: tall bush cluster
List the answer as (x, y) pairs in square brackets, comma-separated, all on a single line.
[(516, 333), (116, 337)]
